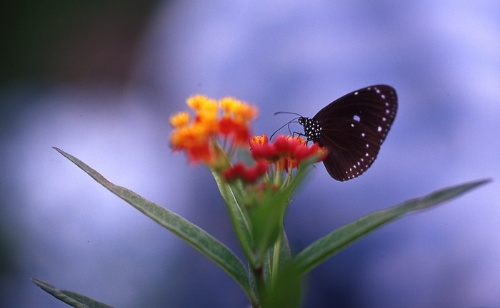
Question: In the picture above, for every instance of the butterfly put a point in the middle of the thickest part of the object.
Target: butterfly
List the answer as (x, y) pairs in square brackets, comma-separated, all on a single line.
[(352, 129)]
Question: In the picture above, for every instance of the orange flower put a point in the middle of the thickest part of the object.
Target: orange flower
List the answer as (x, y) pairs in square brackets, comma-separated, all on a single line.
[(198, 136), (259, 140), (236, 119)]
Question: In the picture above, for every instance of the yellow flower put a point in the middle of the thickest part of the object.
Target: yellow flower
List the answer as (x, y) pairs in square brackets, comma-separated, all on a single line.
[(200, 102), (179, 119), (239, 111)]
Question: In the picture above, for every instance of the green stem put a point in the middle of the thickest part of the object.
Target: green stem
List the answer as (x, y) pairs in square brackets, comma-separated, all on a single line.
[(277, 177), (260, 282), (276, 260)]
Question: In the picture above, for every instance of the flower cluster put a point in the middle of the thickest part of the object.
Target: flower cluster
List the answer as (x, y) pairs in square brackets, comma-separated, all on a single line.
[(226, 119), (227, 122), (286, 153)]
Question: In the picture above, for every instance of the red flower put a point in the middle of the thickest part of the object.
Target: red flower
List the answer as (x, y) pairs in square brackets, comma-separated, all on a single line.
[(248, 174), (286, 152)]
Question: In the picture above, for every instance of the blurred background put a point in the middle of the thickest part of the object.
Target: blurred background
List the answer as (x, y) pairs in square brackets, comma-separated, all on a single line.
[(99, 80)]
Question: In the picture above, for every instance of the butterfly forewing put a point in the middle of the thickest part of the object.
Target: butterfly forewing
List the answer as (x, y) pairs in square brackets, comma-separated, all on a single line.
[(352, 129)]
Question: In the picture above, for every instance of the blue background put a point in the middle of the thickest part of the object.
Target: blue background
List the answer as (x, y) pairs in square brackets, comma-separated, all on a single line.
[(101, 82)]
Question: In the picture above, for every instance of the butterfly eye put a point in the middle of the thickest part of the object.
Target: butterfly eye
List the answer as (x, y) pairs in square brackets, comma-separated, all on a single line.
[(352, 129)]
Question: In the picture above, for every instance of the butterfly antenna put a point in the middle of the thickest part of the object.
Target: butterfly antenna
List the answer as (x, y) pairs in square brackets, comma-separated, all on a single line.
[(287, 112), (286, 124)]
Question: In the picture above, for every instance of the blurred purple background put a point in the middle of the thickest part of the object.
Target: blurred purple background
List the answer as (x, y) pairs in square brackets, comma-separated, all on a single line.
[(100, 81)]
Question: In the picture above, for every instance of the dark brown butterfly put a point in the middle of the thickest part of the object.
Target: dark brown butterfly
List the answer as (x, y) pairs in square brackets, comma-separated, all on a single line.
[(352, 129)]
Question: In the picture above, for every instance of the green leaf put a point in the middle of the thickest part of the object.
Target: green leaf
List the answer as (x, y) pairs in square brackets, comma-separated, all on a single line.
[(69, 297), (185, 230), (283, 282), (332, 243), (233, 194), (277, 256), (267, 221)]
